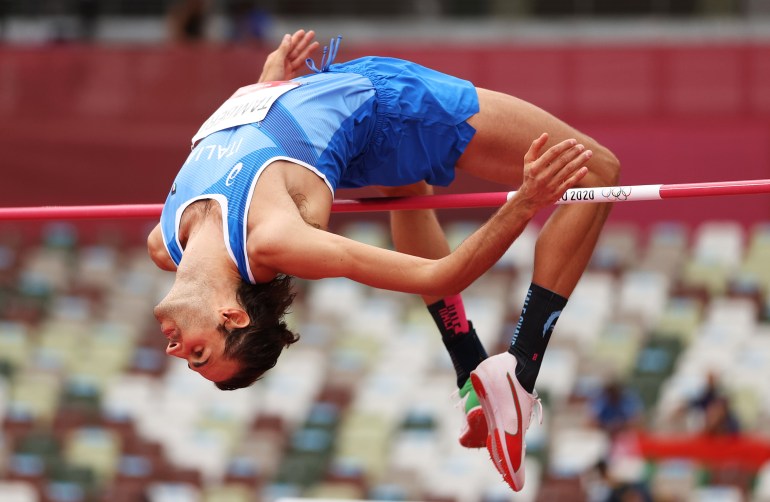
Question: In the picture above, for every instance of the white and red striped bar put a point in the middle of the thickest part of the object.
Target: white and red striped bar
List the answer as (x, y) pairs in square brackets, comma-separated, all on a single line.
[(448, 201)]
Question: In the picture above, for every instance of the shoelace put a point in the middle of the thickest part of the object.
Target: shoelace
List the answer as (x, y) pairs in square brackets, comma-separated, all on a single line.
[(539, 409), (329, 53), (459, 401)]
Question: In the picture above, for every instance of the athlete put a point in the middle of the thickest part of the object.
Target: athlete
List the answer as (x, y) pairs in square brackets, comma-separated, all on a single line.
[(250, 207)]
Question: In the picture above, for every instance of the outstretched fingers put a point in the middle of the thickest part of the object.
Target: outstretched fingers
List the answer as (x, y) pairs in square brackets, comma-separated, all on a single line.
[(548, 174), (568, 161), (302, 45), (568, 167), (534, 150), (561, 153), (573, 179)]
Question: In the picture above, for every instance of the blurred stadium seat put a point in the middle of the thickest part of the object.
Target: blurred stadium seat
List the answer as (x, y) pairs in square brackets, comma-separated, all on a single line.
[(80, 418)]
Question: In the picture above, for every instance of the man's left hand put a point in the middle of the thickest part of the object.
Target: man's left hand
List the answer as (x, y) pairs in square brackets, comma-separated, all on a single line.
[(285, 62)]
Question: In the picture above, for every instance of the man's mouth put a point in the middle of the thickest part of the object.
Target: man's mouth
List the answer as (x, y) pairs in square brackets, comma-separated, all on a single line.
[(171, 335)]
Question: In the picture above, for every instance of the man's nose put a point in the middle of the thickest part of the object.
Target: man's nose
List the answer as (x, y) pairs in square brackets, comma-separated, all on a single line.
[(174, 349)]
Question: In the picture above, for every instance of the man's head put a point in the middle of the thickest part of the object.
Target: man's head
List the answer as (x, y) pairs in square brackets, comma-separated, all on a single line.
[(230, 343), (257, 346)]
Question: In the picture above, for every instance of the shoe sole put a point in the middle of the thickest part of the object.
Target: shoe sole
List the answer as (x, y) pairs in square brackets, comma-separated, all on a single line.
[(498, 446), (476, 435)]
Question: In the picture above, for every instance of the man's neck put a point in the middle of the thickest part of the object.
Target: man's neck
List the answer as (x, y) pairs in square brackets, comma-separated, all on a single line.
[(205, 254)]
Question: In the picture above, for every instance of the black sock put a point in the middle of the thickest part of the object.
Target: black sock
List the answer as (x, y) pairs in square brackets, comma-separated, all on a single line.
[(459, 337), (530, 338)]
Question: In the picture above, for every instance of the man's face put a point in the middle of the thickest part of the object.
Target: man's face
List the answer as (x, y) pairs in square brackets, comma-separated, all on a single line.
[(193, 334)]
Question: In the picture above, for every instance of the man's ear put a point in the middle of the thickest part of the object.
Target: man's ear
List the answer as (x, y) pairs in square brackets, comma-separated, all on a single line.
[(234, 318)]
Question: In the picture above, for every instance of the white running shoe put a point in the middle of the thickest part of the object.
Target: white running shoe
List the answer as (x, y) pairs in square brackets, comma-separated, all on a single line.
[(508, 409)]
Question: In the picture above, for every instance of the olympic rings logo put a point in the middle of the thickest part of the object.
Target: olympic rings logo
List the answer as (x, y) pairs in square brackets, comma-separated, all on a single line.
[(616, 193)]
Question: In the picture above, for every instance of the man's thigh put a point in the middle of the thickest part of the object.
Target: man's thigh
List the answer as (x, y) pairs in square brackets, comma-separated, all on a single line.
[(505, 127)]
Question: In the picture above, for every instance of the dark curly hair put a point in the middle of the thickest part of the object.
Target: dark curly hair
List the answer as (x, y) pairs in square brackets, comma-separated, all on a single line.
[(257, 346)]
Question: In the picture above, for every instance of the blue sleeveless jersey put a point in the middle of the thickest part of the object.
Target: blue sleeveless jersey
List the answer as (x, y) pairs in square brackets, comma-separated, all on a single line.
[(372, 121)]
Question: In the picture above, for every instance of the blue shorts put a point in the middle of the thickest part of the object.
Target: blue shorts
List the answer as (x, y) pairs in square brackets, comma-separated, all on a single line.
[(419, 129)]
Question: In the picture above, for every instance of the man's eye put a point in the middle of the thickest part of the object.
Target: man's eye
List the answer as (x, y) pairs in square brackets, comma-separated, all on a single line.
[(198, 354)]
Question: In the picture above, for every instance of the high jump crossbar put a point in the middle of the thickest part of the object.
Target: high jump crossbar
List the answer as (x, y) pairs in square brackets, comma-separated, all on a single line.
[(628, 193)]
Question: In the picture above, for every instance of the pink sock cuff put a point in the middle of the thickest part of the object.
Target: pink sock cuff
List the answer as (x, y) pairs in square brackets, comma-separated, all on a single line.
[(453, 314)]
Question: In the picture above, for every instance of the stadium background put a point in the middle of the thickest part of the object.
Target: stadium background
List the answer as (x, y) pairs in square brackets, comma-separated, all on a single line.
[(98, 100)]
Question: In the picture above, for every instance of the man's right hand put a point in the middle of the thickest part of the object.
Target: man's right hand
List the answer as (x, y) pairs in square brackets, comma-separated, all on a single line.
[(547, 175)]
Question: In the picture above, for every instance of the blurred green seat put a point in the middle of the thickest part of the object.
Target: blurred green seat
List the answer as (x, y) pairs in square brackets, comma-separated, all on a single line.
[(6, 369), (713, 277), (324, 416), (647, 386), (617, 248), (15, 345), (418, 420), (38, 442), (756, 262), (335, 491), (81, 396), (666, 250), (301, 469), (65, 491), (71, 476), (657, 357), (654, 364), (681, 318), (228, 493), (617, 347), (93, 449), (37, 393), (365, 439), (35, 452), (61, 343)]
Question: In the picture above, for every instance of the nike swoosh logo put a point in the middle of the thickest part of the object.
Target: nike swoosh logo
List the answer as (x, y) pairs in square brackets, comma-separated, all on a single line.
[(516, 462), (551, 321)]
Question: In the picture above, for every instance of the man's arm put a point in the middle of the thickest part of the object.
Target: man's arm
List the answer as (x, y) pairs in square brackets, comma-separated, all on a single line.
[(300, 250), (285, 62), (158, 251)]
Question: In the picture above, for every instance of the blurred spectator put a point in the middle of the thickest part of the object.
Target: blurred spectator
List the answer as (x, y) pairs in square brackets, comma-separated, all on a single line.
[(463, 8), (70, 20), (600, 485), (60, 29), (250, 21), (616, 408), (87, 12), (719, 418), (3, 13), (712, 409), (187, 20)]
